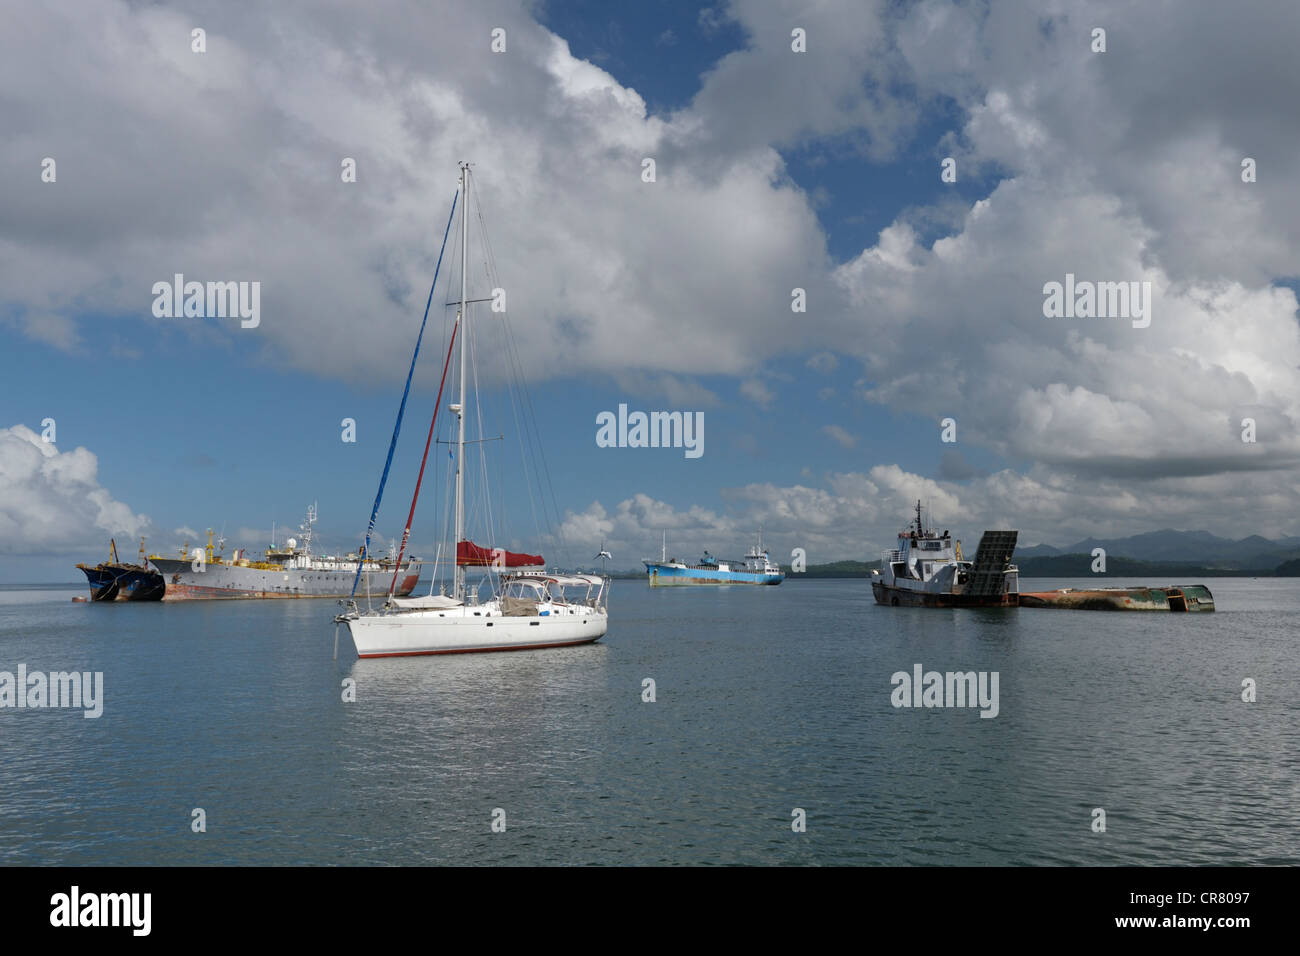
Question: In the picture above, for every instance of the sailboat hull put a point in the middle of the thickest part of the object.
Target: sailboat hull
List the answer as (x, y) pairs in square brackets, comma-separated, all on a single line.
[(463, 631)]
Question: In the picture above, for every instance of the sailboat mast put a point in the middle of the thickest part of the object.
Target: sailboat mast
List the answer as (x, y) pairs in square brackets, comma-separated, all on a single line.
[(459, 576)]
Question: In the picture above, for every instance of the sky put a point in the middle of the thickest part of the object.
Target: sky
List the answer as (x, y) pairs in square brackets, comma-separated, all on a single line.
[(775, 169)]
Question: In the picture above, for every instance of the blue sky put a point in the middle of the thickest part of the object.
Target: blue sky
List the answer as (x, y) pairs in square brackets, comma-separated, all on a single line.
[(217, 435), (774, 170)]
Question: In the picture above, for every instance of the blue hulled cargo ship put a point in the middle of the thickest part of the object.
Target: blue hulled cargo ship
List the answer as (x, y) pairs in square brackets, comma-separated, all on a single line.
[(755, 568)]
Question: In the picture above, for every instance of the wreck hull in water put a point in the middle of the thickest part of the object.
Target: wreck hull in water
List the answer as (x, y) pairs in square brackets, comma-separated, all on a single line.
[(1192, 597)]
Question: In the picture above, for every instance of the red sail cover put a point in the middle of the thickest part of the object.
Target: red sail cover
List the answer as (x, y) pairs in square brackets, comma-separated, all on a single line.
[(471, 555)]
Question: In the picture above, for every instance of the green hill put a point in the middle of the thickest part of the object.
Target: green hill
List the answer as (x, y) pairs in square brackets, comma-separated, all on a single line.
[(1080, 566), (836, 569)]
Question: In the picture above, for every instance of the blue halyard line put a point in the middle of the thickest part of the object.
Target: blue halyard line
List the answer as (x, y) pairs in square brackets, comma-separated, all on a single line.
[(401, 411)]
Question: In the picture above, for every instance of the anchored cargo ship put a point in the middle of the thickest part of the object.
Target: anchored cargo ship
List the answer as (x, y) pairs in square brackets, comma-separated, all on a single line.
[(926, 570), (114, 580), (288, 572), (755, 568)]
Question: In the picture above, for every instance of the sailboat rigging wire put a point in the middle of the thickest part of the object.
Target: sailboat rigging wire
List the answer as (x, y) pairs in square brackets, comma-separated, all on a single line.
[(535, 442), (530, 414), (513, 375), (401, 411), (483, 504), (448, 473), (406, 534)]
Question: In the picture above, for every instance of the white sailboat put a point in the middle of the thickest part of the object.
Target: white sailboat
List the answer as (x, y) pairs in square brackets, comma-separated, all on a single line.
[(530, 608), (533, 611)]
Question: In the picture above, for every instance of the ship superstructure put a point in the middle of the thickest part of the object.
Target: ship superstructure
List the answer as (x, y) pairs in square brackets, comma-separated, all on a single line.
[(290, 571)]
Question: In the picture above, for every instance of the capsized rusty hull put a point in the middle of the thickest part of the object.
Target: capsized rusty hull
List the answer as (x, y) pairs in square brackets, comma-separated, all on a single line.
[(1191, 597)]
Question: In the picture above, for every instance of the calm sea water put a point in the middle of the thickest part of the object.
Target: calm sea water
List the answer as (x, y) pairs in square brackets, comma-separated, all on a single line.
[(768, 699)]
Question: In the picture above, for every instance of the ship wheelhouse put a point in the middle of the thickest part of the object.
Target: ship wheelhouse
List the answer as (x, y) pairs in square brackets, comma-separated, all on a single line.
[(924, 558), (759, 561)]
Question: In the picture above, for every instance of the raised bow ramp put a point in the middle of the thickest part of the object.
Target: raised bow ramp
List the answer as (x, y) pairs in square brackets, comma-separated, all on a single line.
[(992, 559)]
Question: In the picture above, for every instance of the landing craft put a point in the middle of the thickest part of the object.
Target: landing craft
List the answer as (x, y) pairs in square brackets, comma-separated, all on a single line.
[(926, 570)]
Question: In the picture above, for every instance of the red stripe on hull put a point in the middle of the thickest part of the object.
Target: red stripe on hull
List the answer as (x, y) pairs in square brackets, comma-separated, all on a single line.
[(482, 650)]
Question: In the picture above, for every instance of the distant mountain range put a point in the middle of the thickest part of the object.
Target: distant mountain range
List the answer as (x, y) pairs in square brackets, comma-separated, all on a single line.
[(1251, 553)]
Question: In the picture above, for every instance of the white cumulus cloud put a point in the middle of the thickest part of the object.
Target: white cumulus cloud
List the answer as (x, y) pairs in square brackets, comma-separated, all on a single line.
[(51, 501)]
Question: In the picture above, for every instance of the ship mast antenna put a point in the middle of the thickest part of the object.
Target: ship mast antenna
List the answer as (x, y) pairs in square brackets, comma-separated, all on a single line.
[(306, 527)]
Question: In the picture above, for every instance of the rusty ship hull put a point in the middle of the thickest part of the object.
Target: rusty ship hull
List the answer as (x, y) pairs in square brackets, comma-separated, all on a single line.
[(1185, 598), (123, 582), (115, 580)]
